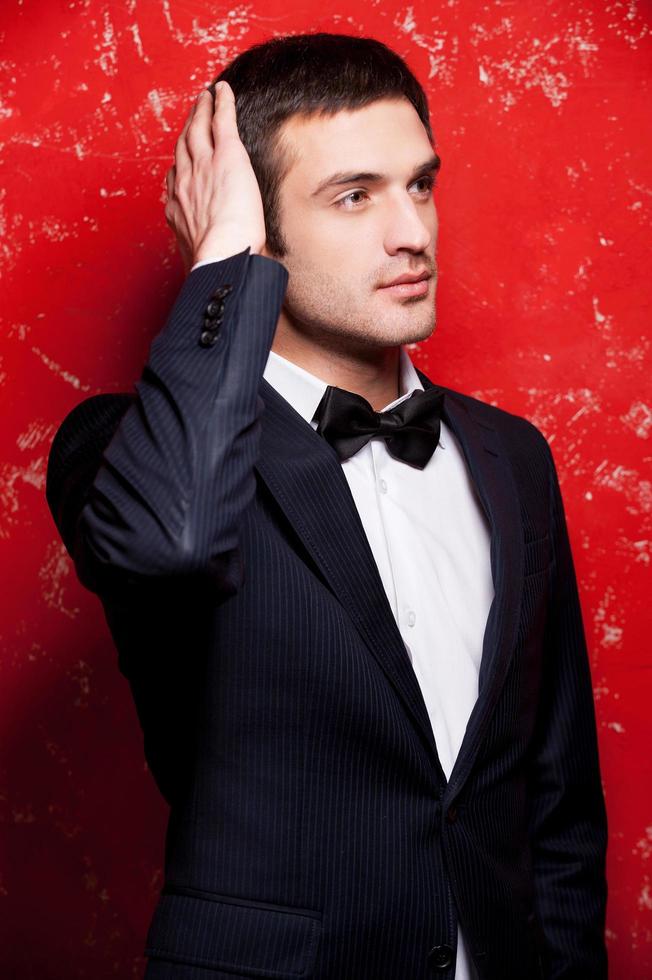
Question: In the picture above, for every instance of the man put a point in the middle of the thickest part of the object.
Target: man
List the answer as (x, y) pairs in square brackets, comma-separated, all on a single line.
[(343, 596)]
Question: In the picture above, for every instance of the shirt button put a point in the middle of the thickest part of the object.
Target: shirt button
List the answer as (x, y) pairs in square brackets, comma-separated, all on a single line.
[(383, 486), (411, 618)]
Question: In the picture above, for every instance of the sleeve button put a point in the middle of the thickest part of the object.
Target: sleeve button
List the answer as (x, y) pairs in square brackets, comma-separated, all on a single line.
[(222, 291), (214, 308), (207, 338)]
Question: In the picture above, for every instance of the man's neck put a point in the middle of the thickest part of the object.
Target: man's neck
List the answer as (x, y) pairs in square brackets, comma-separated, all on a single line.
[(372, 373)]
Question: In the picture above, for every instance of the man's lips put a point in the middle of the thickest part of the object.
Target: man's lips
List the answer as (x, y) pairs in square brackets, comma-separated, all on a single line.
[(408, 277), (409, 284)]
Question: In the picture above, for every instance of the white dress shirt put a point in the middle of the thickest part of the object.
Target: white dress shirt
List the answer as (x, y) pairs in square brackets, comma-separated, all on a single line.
[(431, 542)]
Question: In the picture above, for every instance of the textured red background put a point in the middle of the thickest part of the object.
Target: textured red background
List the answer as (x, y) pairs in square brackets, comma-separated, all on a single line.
[(541, 114)]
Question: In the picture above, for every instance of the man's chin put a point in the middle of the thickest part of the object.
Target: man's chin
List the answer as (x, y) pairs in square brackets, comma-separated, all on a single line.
[(398, 338), (415, 333)]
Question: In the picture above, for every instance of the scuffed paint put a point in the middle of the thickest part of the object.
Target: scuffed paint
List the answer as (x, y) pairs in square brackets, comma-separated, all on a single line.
[(55, 574), (541, 117)]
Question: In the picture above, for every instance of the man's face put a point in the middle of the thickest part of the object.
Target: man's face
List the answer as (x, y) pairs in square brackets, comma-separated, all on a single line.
[(348, 240)]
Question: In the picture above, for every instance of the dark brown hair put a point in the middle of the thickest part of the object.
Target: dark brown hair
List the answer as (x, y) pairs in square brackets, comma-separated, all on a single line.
[(305, 74)]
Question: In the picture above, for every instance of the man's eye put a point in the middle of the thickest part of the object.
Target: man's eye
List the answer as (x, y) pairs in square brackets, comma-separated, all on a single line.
[(430, 183), (347, 197)]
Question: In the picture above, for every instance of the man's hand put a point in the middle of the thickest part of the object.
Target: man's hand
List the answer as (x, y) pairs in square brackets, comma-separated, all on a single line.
[(214, 205)]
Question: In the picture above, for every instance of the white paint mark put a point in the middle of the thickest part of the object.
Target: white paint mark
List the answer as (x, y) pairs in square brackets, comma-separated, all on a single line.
[(409, 23), (635, 355), (578, 414), (602, 320), (644, 845), (582, 268), (530, 65), (135, 32), (639, 419), (608, 632), (54, 576), (585, 49), (57, 369), (235, 26), (615, 726), (627, 23), (611, 635), (155, 101), (434, 42), (33, 474), (637, 492), (642, 551), (81, 674), (108, 59), (37, 431), (645, 898)]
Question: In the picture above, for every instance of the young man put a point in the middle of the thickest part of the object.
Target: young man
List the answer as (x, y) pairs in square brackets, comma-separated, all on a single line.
[(343, 596)]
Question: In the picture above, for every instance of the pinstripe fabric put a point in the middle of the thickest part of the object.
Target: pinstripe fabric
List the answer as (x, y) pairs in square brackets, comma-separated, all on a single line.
[(312, 832)]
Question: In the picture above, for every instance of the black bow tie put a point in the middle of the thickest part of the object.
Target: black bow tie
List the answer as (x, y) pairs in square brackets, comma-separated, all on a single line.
[(411, 430)]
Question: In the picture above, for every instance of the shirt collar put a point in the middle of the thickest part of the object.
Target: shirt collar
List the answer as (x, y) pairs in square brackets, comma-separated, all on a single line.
[(304, 390)]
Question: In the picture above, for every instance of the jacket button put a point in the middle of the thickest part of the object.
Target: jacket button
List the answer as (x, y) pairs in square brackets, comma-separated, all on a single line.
[(207, 338), (451, 814), (440, 957), (214, 308)]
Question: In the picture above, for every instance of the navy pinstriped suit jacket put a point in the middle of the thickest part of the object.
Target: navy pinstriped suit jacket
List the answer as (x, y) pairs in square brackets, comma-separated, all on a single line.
[(312, 833)]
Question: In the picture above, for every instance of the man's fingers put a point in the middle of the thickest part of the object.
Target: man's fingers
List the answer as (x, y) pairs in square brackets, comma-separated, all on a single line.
[(214, 201), (199, 138), (181, 155), (224, 117), (170, 203), (169, 181)]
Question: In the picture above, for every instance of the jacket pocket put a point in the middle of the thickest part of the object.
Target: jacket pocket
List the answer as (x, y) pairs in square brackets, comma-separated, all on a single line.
[(537, 555), (223, 932)]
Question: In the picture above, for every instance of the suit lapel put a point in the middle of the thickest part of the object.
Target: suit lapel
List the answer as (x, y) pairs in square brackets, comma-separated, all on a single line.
[(493, 478), (305, 476)]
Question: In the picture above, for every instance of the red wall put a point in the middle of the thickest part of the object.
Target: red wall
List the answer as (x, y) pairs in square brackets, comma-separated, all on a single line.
[(541, 113)]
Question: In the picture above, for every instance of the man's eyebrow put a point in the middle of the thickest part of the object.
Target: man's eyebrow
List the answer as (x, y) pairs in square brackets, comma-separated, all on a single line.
[(343, 177)]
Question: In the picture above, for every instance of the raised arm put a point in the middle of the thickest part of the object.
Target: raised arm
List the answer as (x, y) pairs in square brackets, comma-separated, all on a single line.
[(153, 485)]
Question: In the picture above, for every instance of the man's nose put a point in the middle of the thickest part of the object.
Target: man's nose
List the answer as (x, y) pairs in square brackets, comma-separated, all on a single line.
[(410, 225)]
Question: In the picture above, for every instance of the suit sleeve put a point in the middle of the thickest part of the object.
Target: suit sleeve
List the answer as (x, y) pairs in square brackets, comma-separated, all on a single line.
[(151, 487), (568, 828)]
